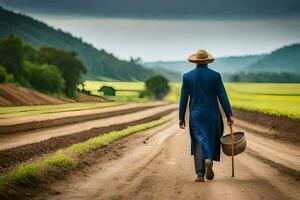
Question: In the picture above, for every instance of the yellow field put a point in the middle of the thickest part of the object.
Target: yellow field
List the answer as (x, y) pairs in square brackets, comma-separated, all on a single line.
[(17, 111), (270, 98), (93, 86)]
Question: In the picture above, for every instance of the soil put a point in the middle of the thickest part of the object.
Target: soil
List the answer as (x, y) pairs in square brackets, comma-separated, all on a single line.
[(156, 164), (281, 128), (11, 95), (34, 136), (12, 156), (82, 97), (38, 122)]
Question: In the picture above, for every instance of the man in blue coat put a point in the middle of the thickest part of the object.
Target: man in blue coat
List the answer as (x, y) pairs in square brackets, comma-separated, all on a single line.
[(204, 87)]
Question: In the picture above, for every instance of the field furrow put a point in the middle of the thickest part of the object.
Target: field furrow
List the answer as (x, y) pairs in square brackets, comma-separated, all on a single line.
[(57, 119), (20, 147)]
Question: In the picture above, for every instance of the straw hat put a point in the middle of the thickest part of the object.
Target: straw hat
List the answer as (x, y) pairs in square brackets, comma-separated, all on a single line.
[(201, 57)]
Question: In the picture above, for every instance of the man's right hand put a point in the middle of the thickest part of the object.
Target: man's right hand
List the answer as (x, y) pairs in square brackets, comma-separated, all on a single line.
[(230, 121), (182, 124)]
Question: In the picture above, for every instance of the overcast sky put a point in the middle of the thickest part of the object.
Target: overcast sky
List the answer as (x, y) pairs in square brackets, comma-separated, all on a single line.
[(169, 39)]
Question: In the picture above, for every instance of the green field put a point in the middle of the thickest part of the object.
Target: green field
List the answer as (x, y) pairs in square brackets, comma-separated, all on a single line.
[(17, 111), (271, 98), (93, 86)]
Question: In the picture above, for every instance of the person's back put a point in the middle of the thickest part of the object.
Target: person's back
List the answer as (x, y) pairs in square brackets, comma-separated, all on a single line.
[(204, 87)]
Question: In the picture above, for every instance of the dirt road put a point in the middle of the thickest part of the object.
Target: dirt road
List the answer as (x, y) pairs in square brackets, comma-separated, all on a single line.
[(162, 168)]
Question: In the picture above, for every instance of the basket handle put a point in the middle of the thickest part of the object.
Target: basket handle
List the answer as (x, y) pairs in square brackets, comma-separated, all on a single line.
[(234, 128), (232, 151)]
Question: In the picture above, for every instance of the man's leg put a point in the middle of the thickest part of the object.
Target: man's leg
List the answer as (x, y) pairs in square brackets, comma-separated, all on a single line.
[(199, 162)]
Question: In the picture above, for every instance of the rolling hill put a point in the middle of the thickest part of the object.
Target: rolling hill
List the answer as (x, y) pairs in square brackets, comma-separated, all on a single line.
[(100, 64), (285, 59), (223, 65)]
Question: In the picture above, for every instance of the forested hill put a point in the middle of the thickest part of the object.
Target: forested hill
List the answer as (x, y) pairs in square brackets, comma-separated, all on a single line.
[(223, 65), (285, 59), (100, 64)]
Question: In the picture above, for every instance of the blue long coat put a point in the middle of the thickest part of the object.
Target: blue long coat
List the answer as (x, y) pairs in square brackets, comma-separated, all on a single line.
[(204, 86)]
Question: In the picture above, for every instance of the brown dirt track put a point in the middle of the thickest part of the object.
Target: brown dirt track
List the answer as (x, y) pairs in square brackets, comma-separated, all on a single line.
[(160, 167), (12, 156), (281, 128), (11, 95), (45, 123), (155, 164)]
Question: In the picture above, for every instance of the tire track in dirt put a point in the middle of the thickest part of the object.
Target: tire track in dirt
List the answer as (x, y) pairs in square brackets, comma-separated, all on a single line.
[(283, 156), (13, 156)]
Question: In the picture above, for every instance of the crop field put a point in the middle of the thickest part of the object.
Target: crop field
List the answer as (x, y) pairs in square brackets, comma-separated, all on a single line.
[(129, 91), (270, 98), (13, 111)]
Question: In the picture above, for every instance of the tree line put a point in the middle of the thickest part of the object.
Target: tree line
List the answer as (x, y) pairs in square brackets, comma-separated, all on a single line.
[(264, 77), (46, 69), (100, 64)]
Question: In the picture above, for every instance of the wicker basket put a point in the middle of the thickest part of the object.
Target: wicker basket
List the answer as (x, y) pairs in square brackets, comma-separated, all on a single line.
[(240, 143)]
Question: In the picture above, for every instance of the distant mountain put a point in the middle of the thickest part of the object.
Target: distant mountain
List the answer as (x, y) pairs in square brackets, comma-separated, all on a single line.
[(100, 64), (169, 74), (285, 59), (175, 66), (158, 8), (223, 65)]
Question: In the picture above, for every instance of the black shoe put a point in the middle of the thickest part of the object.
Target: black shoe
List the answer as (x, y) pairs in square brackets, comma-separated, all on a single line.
[(200, 179), (209, 171)]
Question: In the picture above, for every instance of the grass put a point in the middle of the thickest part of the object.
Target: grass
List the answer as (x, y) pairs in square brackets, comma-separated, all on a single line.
[(130, 91), (174, 94), (7, 112), (58, 159), (31, 173), (28, 174), (95, 85)]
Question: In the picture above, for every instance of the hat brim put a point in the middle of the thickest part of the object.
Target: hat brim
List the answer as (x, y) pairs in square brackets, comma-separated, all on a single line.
[(193, 59)]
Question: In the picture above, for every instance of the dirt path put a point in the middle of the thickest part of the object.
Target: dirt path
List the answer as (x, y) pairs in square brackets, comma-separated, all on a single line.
[(29, 137), (163, 169), (66, 114), (64, 118)]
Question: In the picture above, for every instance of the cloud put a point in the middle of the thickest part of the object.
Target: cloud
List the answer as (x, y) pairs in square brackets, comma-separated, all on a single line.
[(158, 8)]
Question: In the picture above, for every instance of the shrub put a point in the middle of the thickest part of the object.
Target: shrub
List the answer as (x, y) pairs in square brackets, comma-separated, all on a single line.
[(4, 76), (157, 86), (45, 78)]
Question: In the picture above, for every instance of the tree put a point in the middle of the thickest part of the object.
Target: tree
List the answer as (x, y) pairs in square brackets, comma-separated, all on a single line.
[(157, 86), (45, 78), (11, 56), (4, 76), (70, 67)]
